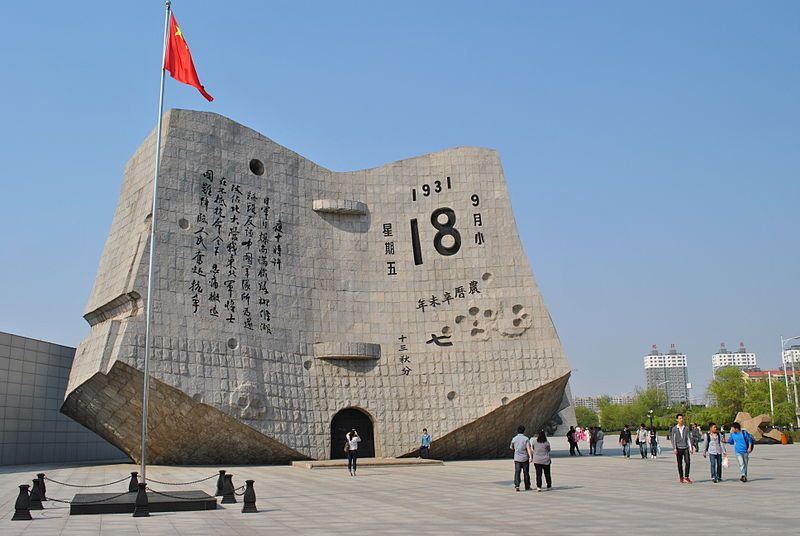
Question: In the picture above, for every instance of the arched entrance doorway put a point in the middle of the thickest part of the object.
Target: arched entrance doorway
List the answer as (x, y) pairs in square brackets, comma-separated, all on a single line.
[(344, 421)]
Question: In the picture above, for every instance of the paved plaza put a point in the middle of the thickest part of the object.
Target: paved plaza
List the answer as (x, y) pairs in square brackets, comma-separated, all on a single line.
[(471, 497)]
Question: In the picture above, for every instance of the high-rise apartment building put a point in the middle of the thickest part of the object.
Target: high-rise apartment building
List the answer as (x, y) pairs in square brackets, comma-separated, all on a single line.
[(741, 358), (792, 355), (669, 373)]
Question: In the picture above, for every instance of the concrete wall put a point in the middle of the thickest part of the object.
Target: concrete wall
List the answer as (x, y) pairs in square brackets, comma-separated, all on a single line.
[(33, 377)]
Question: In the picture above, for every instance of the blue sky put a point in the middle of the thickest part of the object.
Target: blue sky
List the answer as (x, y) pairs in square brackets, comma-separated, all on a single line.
[(652, 151)]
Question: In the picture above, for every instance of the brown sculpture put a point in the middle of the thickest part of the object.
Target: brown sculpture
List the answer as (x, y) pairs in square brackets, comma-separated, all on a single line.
[(757, 426)]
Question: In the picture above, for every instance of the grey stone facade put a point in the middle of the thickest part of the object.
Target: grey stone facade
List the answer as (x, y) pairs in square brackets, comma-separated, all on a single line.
[(285, 293), (33, 376)]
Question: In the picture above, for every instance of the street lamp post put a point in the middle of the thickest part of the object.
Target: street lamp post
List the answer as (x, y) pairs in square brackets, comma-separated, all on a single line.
[(771, 403), (650, 412), (794, 377), (659, 384)]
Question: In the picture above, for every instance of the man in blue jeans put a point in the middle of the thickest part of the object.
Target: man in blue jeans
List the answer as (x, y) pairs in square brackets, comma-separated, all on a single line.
[(714, 449), (625, 441), (642, 439), (522, 458), (742, 443)]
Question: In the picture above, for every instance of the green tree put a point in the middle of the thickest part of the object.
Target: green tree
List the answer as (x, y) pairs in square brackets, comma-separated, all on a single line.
[(756, 401), (728, 389), (615, 416), (643, 402), (650, 399), (586, 417)]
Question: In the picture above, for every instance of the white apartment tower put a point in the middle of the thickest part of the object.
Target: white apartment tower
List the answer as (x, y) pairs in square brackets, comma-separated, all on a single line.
[(792, 355), (741, 358)]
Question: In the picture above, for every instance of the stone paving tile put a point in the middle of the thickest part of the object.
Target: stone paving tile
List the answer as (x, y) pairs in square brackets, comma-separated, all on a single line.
[(469, 497)]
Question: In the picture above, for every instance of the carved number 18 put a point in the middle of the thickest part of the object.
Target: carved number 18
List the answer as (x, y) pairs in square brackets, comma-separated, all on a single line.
[(442, 229)]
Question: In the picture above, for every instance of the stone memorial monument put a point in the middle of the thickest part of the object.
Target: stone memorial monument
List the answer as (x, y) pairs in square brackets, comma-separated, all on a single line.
[(292, 303)]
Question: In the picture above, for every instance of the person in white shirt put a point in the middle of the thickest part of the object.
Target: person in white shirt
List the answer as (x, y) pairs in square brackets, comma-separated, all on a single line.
[(522, 458), (351, 446), (642, 439), (681, 439)]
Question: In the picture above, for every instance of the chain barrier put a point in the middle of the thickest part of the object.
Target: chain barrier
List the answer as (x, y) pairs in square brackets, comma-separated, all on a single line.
[(237, 489), (87, 502), (181, 483), (86, 485)]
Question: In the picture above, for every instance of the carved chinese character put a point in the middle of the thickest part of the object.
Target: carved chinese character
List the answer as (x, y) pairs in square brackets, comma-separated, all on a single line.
[(439, 340), (473, 287)]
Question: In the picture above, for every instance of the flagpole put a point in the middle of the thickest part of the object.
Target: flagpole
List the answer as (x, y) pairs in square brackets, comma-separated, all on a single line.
[(149, 305)]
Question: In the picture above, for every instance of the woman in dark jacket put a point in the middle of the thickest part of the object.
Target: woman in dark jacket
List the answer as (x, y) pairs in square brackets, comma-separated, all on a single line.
[(653, 443)]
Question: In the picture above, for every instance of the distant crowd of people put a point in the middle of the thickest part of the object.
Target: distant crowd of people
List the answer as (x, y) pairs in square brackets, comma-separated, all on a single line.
[(684, 440), (593, 434)]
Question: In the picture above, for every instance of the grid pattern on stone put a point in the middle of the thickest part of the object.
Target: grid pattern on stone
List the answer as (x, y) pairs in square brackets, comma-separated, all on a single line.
[(334, 286), (33, 376)]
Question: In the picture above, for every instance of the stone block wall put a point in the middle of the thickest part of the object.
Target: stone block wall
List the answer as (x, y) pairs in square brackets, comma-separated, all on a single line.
[(286, 292), (33, 376)]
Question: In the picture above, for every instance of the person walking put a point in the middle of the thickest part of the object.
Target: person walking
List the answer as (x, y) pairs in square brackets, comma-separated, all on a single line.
[(642, 439), (625, 440), (681, 438), (599, 435), (592, 440), (522, 458), (714, 448), (425, 444), (572, 439), (541, 459), (580, 435), (742, 443), (653, 443), (697, 434), (351, 446)]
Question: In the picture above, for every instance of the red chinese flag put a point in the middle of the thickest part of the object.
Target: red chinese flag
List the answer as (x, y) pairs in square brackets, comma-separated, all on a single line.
[(178, 59)]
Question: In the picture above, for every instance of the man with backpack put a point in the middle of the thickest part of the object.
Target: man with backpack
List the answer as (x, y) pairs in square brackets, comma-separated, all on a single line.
[(714, 449), (742, 443)]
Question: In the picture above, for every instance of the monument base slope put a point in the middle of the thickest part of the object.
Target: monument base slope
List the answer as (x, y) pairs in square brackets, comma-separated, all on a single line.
[(182, 431)]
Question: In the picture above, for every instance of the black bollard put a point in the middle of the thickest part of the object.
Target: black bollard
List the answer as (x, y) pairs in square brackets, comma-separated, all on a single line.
[(249, 498), (228, 493), (35, 499), (220, 483), (22, 508), (133, 485), (44, 488), (141, 507)]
